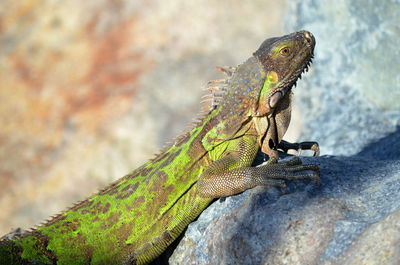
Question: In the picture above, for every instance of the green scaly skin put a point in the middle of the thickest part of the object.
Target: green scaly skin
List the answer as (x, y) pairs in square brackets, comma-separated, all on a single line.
[(133, 220)]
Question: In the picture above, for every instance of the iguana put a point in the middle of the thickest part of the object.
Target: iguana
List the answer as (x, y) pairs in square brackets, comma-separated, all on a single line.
[(133, 220)]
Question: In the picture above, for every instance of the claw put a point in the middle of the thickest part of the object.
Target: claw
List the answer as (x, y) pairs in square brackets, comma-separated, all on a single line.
[(299, 151), (315, 148)]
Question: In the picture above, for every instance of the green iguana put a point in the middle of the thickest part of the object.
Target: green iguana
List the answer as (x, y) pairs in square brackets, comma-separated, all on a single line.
[(133, 220)]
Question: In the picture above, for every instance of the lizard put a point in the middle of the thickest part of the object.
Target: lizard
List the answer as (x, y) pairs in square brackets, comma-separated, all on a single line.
[(134, 219)]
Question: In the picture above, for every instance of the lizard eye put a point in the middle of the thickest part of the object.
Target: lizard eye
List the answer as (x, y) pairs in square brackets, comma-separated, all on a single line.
[(284, 51)]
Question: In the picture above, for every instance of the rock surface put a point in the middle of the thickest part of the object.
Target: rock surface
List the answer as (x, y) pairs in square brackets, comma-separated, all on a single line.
[(350, 104), (356, 206)]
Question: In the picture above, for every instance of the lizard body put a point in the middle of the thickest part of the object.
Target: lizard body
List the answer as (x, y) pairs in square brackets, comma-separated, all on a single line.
[(135, 219)]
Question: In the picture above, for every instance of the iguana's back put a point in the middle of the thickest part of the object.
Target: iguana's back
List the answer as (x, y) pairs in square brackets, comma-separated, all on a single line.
[(137, 217)]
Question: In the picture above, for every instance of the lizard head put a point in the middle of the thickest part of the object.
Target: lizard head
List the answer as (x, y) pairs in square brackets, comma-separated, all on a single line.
[(254, 89), (284, 60)]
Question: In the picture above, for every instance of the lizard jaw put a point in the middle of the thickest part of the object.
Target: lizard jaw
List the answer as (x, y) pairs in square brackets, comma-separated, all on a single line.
[(282, 90)]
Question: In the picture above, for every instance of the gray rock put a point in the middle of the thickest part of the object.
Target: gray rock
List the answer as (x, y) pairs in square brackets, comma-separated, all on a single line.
[(379, 244)]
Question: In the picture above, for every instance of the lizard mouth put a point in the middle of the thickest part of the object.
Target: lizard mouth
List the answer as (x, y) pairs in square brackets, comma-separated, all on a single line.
[(287, 85)]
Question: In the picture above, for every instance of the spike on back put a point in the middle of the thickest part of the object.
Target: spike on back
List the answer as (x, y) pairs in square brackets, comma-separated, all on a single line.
[(216, 90), (228, 70)]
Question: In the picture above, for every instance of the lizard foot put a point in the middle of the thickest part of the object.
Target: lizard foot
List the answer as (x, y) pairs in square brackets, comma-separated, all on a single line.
[(290, 170)]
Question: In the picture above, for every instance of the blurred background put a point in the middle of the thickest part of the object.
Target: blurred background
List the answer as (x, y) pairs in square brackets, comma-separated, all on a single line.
[(90, 90)]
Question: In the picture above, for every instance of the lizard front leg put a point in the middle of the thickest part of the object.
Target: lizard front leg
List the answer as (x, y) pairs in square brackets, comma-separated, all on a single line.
[(233, 174)]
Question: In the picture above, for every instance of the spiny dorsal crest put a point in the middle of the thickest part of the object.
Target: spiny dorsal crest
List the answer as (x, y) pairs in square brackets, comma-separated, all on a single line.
[(217, 88)]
